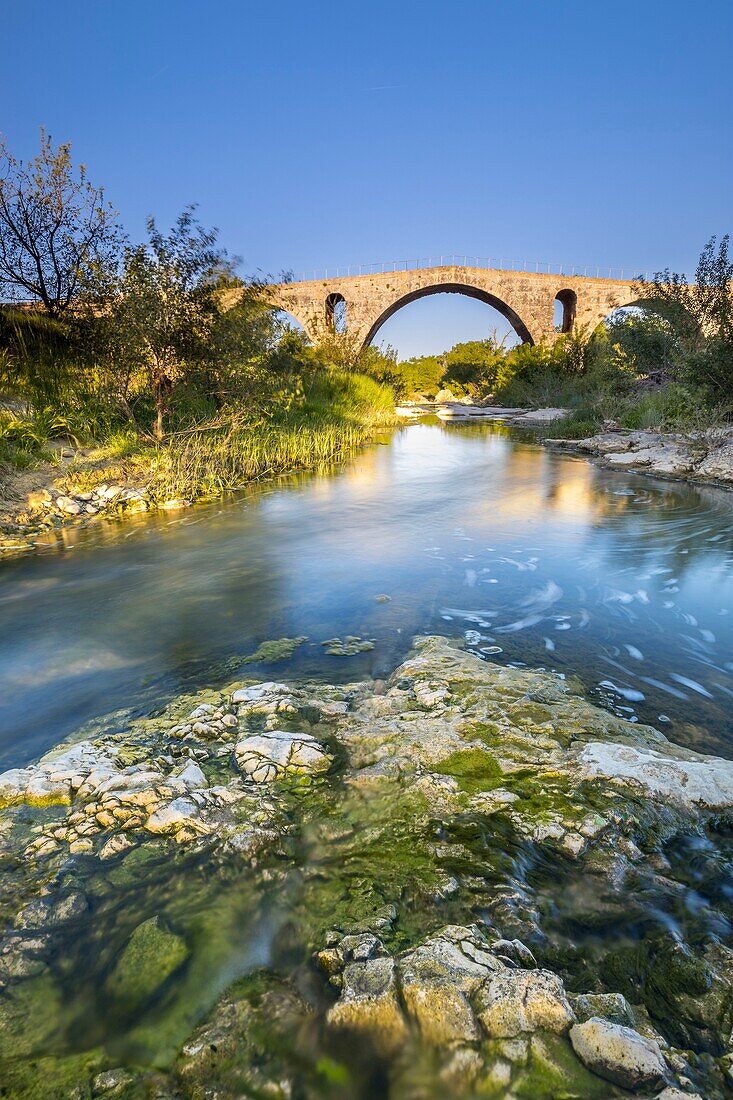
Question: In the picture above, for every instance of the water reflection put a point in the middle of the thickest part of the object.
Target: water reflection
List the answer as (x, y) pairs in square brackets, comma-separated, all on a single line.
[(537, 558)]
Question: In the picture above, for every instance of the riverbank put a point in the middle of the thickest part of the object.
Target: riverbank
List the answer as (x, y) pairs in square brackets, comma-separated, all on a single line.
[(704, 457), (129, 474), (434, 882)]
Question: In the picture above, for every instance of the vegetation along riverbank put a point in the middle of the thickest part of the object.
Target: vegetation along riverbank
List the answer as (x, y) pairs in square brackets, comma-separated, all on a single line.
[(135, 376)]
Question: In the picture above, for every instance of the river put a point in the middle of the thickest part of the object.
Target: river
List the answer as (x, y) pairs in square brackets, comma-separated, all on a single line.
[(535, 558)]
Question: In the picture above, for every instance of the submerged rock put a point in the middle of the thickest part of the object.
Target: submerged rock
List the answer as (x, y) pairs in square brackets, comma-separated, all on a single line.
[(619, 1054), (348, 646), (151, 956)]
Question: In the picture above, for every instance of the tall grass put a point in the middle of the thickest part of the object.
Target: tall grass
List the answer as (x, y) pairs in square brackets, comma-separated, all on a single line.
[(339, 413), (208, 464)]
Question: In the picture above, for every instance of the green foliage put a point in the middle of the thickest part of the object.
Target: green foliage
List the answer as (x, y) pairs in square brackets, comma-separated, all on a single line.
[(646, 339), (472, 367), (336, 412), (701, 314), (164, 310), (421, 375), (381, 365)]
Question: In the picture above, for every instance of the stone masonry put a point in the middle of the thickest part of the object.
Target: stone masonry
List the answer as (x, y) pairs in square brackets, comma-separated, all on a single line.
[(527, 300)]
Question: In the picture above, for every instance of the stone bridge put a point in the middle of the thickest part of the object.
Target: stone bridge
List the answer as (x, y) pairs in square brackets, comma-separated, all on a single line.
[(526, 299)]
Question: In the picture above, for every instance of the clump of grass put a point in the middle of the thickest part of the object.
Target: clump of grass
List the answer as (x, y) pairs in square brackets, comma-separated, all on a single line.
[(340, 412), (210, 463)]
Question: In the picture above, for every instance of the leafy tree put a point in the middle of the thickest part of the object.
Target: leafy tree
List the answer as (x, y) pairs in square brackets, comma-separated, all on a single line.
[(422, 374), (647, 340), (56, 230), (473, 364), (702, 316), (166, 308)]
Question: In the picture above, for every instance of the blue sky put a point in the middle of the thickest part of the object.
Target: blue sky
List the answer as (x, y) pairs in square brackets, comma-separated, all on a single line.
[(316, 134)]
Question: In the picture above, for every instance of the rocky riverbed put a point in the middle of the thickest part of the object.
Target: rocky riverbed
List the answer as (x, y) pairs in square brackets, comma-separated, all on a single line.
[(47, 510), (699, 456), (465, 881)]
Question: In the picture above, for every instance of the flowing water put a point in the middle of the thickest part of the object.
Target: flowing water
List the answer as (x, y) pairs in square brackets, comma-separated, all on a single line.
[(532, 557), (535, 558)]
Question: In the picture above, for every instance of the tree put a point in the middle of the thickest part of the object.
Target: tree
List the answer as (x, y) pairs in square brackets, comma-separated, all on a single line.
[(56, 230), (648, 341), (166, 308), (702, 316)]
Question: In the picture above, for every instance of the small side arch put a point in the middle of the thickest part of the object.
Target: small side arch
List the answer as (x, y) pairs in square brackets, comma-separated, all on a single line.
[(453, 288), (336, 313), (568, 302)]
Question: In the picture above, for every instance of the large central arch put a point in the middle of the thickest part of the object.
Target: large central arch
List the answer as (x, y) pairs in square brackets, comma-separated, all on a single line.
[(453, 288)]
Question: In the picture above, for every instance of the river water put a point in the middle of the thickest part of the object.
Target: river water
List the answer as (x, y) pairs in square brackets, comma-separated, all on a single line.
[(534, 557)]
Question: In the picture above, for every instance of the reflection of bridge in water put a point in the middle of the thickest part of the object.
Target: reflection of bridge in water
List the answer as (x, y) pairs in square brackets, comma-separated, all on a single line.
[(361, 303)]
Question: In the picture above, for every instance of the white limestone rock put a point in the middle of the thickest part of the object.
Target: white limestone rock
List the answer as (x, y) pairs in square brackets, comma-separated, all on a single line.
[(542, 416), (268, 756), (690, 780), (258, 692), (718, 465), (179, 814), (192, 777), (619, 1054)]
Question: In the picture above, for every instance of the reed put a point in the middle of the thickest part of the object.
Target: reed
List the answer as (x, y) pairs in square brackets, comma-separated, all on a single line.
[(341, 412)]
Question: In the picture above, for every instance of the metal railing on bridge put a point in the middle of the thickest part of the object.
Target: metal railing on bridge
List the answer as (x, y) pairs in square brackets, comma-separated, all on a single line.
[(590, 271)]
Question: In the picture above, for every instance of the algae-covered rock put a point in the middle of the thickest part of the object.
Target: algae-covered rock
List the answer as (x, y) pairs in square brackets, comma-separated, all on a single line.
[(369, 1007), (437, 979), (151, 956), (518, 1001), (619, 1054), (348, 646), (279, 649), (609, 1006)]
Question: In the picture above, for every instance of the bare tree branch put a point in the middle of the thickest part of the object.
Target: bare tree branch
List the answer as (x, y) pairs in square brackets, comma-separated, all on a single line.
[(55, 228)]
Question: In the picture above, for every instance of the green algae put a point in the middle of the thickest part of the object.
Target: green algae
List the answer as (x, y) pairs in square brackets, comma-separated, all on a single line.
[(50, 1077), (660, 974), (278, 649), (553, 1072), (368, 857), (30, 1016), (473, 769), (152, 955)]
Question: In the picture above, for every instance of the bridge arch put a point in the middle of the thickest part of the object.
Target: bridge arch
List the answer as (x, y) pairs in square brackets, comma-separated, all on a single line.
[(452, 288), (336, 317), (568, 302)]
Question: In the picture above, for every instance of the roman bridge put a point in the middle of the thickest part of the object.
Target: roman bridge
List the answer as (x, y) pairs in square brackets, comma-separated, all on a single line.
[(360, 304)]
